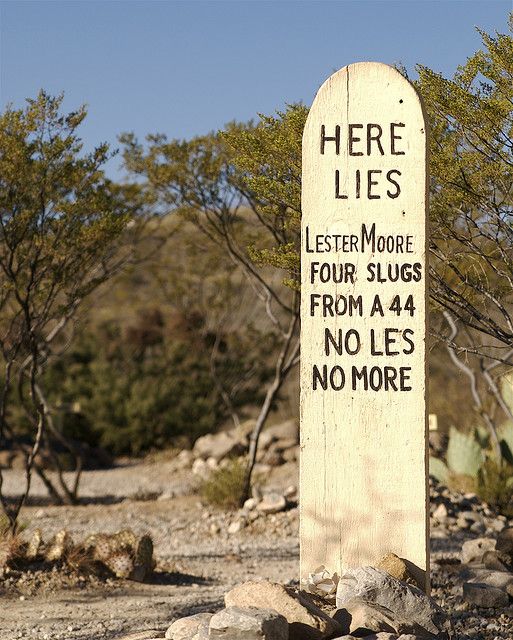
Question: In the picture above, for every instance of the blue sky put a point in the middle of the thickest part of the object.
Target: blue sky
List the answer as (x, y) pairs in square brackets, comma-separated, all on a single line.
[(186, 68)]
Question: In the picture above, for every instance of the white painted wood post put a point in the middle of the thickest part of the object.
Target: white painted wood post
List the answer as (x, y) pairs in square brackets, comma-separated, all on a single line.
[(363, 471)]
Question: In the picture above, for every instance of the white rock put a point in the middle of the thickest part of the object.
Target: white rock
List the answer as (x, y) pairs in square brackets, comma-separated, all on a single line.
[(478, 527), (235, 527), (471, 516), (272, 503), (440, 513), (490, 578), (188, 628), (212, 463), (306, 620), (462, 523), (166, 495), (200, 468), (184, 459), (366, 616), (292, 454), (250, 504), (284, 431), (217, 445), (473, 550), (262, 469), (290, 491), (265, 440), (497, 525), (322, 583)]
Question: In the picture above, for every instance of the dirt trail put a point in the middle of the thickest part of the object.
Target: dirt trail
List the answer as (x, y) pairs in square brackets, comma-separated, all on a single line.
[(198, 561)]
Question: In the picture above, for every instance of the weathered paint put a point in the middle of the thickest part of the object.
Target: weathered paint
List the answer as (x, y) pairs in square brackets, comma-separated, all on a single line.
[(363, 471)]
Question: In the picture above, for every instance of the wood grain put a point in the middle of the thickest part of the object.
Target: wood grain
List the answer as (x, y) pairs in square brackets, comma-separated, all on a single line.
[(363, 470)]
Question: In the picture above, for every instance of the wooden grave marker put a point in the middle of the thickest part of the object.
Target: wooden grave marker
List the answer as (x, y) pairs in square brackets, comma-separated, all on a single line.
[(363, 470)]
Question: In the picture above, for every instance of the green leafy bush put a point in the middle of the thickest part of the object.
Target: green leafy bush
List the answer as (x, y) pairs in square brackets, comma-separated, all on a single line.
[(140, 387)]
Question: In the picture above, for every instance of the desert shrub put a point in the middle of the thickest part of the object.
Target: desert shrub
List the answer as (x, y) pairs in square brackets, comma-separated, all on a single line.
[(495, 485), (141, 386), (225, 485), (129, 404), (462, 483), (153, 402)]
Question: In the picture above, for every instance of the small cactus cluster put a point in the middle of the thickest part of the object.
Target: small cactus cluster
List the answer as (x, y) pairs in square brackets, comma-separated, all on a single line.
[(126, 555), (123, 553)]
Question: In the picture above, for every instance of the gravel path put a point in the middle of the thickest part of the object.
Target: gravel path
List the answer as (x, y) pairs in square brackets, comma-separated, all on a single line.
[(198, 559)]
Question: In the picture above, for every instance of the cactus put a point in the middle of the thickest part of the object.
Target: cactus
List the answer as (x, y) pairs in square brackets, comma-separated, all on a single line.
[(482, 435), (60, 545), (34, 546), (464, 458), (506, 386), (120, 563), (464, 454), (506, 438), (102, 546), (126, 538), (11, 550), (471, 468), (143, 560), (124, 553), (439, 470)]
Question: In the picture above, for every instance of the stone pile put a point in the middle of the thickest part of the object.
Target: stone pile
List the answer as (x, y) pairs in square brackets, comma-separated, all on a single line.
[(487, 570), (484, 566), (277, 445), (470, 569), (370, 603), (260, 506), (454, 512)]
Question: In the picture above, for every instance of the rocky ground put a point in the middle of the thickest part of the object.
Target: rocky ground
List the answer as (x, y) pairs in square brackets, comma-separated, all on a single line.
[(203, 552)]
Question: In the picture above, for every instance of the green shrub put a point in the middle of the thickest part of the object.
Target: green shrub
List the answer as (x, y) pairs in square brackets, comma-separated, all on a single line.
[(141, 387), (495, 485), (224, 486), (462, 483)]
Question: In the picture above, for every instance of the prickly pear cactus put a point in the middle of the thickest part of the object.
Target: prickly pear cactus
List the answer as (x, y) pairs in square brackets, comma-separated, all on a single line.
[(12, 550), (464, 454), (60, 545), (34, 546), (506, 436), (143, 561), (121, 563), (125, 554), (126, 538), (103, 546), (438, 469), (5, 552)]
